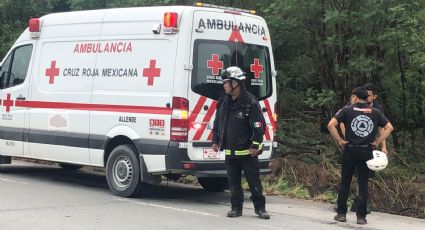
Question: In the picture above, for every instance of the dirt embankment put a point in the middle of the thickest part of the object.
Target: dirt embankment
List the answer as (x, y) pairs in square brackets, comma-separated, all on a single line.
[(386, 193)]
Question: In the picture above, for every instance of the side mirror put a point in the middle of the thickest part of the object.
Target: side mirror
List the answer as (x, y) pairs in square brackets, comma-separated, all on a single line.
[(2, 79)]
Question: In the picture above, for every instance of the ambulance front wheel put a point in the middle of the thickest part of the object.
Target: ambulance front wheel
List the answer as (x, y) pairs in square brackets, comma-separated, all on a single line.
[(214, 184), (4, 160), (123, 172)]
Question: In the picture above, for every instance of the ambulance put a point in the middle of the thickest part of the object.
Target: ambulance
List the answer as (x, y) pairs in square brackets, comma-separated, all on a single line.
[(133, 90)]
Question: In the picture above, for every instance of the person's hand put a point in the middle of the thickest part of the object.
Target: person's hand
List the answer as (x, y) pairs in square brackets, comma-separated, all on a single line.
[(384, 150), (374, 144), (342, 142), (215, 147), (254, 152)]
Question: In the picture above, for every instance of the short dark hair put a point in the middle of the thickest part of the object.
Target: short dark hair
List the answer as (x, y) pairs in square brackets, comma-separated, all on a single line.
[(372, 87), (360, 93)]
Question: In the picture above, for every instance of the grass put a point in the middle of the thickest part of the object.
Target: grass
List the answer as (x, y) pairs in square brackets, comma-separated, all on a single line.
[(327, 196)]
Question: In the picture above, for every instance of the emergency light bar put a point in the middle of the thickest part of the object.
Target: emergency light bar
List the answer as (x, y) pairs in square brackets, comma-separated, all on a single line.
[(200, 4), (170, 19), (170, 22), (34, 27)]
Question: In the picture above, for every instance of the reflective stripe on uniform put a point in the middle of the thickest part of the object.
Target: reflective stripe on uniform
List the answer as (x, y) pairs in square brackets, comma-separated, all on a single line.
[(237, 152), (260, 145)]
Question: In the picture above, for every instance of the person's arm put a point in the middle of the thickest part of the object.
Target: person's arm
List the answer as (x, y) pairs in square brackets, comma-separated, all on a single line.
[(342, 127), (334, 132), (384, 143), (256, 122), (215, 138), (341, 124), (386, 131)]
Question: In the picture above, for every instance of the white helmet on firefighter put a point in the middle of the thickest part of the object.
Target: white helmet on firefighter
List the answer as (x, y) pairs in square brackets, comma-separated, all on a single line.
[(233, 73), (378, 162)]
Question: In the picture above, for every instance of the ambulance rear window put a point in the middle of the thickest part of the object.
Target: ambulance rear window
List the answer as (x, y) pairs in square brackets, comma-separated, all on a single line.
[(211, 57)]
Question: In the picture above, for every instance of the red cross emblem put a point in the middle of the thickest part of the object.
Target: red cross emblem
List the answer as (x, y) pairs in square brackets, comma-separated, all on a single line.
[(8, 103), (52, 72), (215, 64), (256, 68), (151, 72), (236, 35)]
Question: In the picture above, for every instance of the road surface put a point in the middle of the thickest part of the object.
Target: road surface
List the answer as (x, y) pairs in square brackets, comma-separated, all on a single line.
[(44, 197)]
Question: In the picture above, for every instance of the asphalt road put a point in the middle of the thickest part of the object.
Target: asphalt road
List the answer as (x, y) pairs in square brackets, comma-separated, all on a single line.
[(42, 197)]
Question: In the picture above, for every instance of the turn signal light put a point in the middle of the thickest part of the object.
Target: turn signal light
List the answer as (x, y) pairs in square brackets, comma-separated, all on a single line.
[(170, 19), (189, 166)]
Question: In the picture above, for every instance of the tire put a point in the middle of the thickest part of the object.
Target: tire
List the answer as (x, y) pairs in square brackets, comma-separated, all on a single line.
[(69, 167), (5, 160), (123, 172), (214, 184)]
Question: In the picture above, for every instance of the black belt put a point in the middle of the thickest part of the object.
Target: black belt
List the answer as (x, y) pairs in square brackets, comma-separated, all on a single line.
[(358, 146)]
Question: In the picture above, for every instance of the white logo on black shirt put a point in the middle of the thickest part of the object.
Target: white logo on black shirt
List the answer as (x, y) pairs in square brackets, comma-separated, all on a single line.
[(362, 126)]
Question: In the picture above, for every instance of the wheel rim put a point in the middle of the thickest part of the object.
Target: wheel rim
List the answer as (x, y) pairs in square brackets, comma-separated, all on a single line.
[(122, 172)]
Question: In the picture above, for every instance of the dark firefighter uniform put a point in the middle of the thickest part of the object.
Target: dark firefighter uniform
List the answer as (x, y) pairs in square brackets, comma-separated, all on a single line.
[(361, 122), (356, 172), (238, 126)]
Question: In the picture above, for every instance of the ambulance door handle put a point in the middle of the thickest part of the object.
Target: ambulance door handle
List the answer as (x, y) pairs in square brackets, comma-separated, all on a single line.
[(20, 98), (168, 105), (199, 30)]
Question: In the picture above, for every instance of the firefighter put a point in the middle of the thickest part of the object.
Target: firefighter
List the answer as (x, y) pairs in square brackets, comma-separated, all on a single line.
[(371, 101), (361, 122), (238, 130)]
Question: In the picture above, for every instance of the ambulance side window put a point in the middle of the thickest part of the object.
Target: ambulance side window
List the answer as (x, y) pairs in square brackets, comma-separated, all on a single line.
[(19, 68), (210, 58), (256, 64), (4, 73)]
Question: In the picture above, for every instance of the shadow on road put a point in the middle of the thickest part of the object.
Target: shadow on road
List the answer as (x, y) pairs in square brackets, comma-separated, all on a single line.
[(92, 180), (55, 174)]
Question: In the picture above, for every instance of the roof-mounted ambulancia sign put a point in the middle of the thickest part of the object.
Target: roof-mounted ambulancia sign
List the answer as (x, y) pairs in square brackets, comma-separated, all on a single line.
[(218, 24)]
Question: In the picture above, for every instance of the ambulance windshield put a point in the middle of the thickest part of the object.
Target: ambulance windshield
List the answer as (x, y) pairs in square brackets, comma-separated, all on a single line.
[(211, 57)]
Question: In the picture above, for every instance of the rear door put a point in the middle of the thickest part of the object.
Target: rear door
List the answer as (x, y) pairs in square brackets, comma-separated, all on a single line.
[(257, 62), (221, 40), (212, 52)]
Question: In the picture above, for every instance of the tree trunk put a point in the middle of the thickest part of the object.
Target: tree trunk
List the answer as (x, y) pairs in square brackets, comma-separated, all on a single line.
[(403, 87)]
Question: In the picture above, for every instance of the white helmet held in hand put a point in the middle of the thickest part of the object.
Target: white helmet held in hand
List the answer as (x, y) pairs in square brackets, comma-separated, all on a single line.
[(233, 73), (378, 162)]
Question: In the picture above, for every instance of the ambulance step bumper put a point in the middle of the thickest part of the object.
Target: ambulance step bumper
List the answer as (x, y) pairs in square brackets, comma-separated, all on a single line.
[(221, 173), (177, 160)]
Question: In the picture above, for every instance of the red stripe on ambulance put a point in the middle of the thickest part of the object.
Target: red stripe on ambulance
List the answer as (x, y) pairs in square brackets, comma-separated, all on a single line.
[(270, 115), (93, 107), (206, 119), (196, 110)]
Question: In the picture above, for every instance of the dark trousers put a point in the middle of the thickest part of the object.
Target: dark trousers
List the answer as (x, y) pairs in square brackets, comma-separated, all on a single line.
[(354, 157), (251, 169)]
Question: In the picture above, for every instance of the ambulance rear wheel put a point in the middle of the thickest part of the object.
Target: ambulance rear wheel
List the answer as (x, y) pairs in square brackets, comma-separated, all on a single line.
[(123, 172), (214, 184)]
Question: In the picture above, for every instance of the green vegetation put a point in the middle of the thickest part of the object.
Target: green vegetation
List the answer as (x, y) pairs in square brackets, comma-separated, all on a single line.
[(323, 49)]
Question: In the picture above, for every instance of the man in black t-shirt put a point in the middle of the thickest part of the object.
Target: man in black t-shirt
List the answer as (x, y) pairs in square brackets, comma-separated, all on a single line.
[(371, 101), (361, 122), (372, 95)]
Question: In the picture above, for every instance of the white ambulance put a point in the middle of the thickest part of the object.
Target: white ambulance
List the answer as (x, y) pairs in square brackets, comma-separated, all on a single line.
[(133, 90)]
